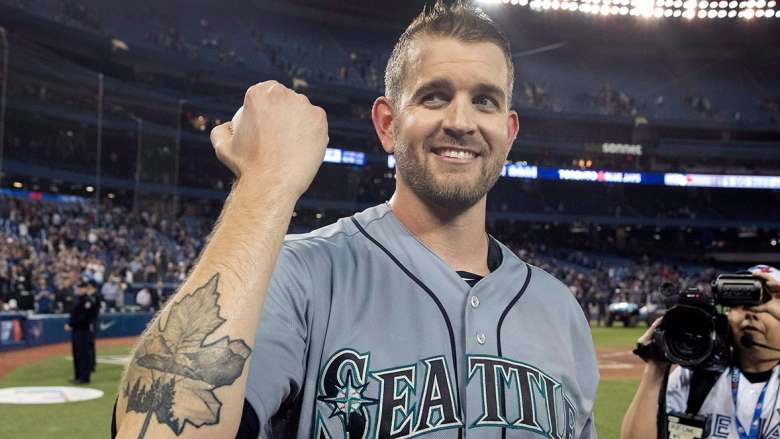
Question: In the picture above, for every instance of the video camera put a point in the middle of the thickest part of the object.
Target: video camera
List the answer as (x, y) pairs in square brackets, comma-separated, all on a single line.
[(694, 333)]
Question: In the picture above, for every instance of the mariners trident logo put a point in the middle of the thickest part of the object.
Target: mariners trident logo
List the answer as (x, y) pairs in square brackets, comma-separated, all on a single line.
[(342, 386), (390, 404)]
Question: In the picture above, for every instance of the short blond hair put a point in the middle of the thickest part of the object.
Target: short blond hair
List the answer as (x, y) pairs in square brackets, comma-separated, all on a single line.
[(459, 21)]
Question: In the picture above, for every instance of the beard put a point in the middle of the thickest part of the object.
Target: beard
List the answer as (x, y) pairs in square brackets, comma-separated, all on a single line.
[(451, 193)]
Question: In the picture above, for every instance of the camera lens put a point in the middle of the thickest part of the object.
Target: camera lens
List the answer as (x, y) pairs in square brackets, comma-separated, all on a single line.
[(688, 339)]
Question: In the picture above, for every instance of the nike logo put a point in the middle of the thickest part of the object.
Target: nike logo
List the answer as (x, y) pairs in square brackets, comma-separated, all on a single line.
[(104, 326)]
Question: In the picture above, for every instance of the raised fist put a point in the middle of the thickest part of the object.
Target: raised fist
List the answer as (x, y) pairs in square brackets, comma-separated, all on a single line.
[(277, 139)]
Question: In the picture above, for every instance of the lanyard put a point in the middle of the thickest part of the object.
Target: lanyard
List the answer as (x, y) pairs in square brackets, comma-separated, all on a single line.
[(754, 424)]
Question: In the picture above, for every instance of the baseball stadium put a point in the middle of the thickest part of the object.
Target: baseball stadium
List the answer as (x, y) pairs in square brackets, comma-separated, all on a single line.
[(629, 166)]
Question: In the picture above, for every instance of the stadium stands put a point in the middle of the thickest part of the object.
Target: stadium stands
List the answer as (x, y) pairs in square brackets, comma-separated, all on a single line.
[(667, 85), (49, 246), (184, 70)]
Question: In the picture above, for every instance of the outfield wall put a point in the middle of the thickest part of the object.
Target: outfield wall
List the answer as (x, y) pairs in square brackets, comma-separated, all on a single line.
[(19, 330)]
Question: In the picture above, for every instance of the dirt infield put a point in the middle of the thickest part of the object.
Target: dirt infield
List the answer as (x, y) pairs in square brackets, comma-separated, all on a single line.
[(614, 363), (619, 364)]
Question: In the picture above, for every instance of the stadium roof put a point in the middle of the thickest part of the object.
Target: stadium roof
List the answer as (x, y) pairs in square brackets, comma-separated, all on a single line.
[(555, 25)]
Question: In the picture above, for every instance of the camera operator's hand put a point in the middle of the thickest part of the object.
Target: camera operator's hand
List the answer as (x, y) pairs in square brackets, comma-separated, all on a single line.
[(647, 337), (772, 284), (639, 421), (772, 308), (648, 353)]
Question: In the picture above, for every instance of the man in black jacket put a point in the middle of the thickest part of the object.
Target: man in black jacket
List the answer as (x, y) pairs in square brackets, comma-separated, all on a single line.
[(82, 320)]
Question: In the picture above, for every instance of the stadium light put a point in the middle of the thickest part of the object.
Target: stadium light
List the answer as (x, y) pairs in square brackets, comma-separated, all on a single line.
[(688, 9)]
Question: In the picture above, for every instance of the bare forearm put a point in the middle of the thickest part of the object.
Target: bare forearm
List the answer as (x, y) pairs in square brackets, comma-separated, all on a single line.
[(640, 419), (188, 375)]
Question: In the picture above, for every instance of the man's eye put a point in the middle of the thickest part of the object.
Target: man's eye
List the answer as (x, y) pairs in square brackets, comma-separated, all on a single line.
[(485, 101), (433, 98)]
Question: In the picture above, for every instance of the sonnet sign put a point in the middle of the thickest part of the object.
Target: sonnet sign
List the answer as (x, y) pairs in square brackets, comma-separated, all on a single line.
[(621, 148)]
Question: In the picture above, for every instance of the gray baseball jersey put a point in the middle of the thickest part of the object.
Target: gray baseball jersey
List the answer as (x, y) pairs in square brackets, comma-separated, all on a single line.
[(366, 333)]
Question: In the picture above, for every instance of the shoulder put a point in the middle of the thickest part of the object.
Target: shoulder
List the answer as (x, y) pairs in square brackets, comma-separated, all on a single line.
[(327, 242), (308, 261), (539, 277), (338, 231), (550, 283), (543, 289), (341, 237)]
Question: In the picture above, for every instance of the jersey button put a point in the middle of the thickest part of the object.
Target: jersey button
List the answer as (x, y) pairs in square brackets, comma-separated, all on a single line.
[(481, 338), (474, 302)]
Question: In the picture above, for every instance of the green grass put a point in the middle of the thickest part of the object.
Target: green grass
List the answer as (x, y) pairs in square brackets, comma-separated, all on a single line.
[(614, 396), (617, 336), (91, 419), (612, 402), (80, 420)]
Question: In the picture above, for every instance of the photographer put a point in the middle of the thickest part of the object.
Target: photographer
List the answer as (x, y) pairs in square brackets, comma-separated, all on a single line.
[(749, 387)]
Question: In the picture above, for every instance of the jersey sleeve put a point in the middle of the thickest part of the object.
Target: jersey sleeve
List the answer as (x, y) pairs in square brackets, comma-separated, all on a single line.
[(277, 366), (677, 390)]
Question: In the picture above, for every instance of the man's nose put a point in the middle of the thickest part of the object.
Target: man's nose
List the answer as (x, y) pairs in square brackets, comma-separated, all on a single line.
[(458, 120)]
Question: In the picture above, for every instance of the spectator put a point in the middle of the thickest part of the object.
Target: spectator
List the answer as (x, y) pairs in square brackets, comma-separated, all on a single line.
[(159, 293), (112, 294), (143, 298), (44, 298)]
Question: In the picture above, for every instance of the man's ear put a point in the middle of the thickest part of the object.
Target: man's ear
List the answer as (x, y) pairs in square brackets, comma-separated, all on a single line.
[(382, 116), (512, 128)]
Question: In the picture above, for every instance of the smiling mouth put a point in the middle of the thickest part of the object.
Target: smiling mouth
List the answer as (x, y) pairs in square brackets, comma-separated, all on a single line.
[(455, 153)]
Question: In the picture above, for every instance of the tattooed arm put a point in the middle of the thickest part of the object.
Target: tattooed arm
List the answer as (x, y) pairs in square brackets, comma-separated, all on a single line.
[(187, 377)]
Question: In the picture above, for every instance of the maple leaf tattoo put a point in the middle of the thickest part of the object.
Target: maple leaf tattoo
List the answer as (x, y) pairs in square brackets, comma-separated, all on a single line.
[(175, 371)]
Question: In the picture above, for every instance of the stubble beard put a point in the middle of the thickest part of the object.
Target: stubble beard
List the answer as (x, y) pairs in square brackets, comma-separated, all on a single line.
[(451, 193)]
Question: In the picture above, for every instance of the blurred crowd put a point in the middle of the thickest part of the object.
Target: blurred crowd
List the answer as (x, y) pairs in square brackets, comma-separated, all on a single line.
[(597, 280), (47, 248), (137, 260)]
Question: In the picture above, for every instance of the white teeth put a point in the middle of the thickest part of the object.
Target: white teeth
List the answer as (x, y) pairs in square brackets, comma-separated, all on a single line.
[(457, 154)]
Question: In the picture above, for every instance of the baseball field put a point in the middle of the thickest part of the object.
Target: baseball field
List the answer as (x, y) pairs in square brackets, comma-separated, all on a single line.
[(52, 366)]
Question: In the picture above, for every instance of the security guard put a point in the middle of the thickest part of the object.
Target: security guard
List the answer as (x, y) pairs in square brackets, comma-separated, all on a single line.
[(82, 320)]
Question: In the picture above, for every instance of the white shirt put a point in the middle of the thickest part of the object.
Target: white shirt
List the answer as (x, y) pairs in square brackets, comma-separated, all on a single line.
[(143, 298), (718, 407)]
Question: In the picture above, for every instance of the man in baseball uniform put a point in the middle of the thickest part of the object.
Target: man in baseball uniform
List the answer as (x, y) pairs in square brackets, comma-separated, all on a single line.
[(743, 402), (404, 320)]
